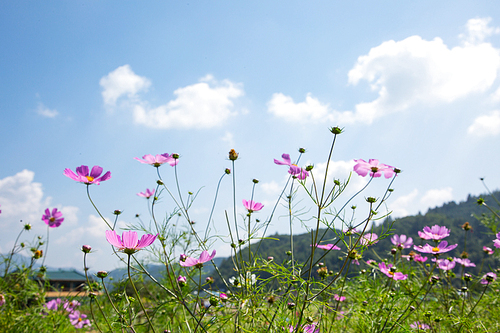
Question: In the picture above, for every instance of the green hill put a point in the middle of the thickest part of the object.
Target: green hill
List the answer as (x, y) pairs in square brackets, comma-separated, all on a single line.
[(452, 215)]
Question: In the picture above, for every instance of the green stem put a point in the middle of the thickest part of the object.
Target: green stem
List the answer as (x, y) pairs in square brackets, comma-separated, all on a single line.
[(138, 296)]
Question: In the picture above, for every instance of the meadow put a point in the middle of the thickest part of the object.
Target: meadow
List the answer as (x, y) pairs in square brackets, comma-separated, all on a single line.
[(412, 288)]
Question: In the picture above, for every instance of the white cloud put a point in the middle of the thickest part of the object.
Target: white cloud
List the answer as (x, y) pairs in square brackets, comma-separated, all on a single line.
[(122, 81), (206, 104), (229, 138), (436, 197), (45, 111), (402, 205), (486, 125), (23, 199), (478, 30), (406, 73)]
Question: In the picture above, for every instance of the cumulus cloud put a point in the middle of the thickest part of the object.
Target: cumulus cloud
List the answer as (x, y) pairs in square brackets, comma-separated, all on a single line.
[(413, 202), (45, 111), (229, 138), (206, 104), (478, 30), (122, 81), (23, 199), (486, 125), (406, 73)]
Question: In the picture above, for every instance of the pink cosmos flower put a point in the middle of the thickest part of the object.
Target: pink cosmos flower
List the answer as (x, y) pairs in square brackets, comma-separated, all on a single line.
[(78, 320), (2, 299), (488, 250), (339, 298), (198, 263), (371, 262), (149, 193), (391, 272), (488, 278), (465, 262), (158, 160), (310, 328), (294, 170), (496, 242), (52, 219), (419, 326), (223, 297), (182, 280), (374, 168), (445, 264), (129, 242), (82, 175), (418, 258), (402, 242), (440, 248), (52, 304), (252, 206), (369, 239), (71, 306), (435, 233), (327, 247)]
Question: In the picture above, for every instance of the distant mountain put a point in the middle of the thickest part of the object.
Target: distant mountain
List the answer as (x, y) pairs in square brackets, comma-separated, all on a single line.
[(452, 215)]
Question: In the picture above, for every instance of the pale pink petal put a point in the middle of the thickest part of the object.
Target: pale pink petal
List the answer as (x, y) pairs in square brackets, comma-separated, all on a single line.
[(113, 238), (189, 262), (129, 239), (286, 160), (69, 173), (204, 257), (146, 240)]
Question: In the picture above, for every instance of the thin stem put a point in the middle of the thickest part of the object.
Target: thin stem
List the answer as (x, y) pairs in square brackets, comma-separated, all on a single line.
[(138, 296), (97, 210)]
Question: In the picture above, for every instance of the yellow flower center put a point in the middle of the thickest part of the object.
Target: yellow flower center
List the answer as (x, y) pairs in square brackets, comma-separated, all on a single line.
[(90, 178), (52, 219), (435, 249), (392, 273)]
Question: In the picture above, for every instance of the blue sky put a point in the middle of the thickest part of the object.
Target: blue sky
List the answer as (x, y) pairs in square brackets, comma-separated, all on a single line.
[(100, 82)]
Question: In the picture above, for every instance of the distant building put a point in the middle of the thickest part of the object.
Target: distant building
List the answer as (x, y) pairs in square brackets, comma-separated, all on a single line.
[(65, 283)]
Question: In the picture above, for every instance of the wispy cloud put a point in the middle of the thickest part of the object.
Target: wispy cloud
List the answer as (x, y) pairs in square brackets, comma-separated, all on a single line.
[(486, 125), (45, 111)]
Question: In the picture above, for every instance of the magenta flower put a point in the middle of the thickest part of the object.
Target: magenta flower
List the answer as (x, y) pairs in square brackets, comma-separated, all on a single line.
[(52, 219), (71, 306), (435, 233), (198, 263), (369, 239), (252, 206), (52, 304), (488, 250), (182, 280), (390, 271), (223, 297), (402, 242), (158, 160), (496, 242), (82, 175), (78, 320), (2, 299), (374, 168), (440, 248), (309, 328), (465, 262), (418, 258), (488, 278), (327, 247), (148, 194), (339, 298), (294, 170), (129, 242), (445, 264), (419, 326)]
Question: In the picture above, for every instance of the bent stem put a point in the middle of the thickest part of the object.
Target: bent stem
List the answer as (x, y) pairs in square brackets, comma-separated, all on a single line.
[(137, 295), (97, 210), (12, 253)]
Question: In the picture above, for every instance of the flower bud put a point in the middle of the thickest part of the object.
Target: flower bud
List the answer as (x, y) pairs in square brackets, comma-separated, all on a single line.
[(302, 150), (271, 299), (371, 200), (210, 280), (270, 258), (223, 297), (233, 155), (182, 280), (117, 212), (309, 167), (466, 226), (288, 253), (159, 182), (480, 201), (336, 130), (255, 181), (214, 301), (27, 226), (467, 277), (290, 305), (175, 156), (102, 274), (86, 248)]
